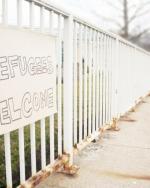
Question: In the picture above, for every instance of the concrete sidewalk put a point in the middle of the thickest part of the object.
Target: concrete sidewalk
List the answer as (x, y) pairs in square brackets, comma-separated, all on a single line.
[(119, 160)]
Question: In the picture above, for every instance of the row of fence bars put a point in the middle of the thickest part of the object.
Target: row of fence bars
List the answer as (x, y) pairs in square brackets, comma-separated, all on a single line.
[(32, 126), (99, 77)]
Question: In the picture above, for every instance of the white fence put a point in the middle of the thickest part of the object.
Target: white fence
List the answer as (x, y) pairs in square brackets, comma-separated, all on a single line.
[(99, 76)]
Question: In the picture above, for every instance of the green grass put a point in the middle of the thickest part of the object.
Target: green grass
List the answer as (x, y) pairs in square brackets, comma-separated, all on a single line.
[(15, 152)]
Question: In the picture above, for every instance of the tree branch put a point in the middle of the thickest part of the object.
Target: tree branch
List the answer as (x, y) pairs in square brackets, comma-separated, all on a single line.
[(138, 12), (139, 35)]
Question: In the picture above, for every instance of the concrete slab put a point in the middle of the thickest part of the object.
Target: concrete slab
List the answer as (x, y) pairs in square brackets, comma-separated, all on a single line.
[(119, 160)]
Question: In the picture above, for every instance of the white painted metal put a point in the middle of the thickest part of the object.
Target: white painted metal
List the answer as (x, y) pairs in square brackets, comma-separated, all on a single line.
[(8, 160), (5, 12), (85, 82), (42, 123), (21, 155), (19, 12), (101, 79), (59, 84), (68, 86), (80, 83), (90, 81), (107, 59), (42, 19), (43, 144), (107, 78), (32, 126), (75, 81), (97, 82), (21, 130), (104, 78), (33, 149), (51, 17), (94, 75), (111, 77), (52, 139), (31, 19), (116, 71), (51, 128)]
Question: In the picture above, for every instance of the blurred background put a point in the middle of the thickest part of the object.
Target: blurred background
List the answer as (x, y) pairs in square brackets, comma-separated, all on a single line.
[(128, 18)]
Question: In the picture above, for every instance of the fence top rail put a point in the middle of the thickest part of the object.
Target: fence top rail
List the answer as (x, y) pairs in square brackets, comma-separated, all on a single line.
[(66, 13), (51, 6)]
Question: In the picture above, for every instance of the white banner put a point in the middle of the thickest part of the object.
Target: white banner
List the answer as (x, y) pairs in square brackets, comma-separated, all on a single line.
[(27, 77)]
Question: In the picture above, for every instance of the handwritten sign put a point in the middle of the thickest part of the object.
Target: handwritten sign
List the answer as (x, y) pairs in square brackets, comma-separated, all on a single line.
[(27, 77)]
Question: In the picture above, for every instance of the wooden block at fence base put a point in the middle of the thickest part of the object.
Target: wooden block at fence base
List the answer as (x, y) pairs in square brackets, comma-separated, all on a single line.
[(69, 169), (112, 126), (66, 168)]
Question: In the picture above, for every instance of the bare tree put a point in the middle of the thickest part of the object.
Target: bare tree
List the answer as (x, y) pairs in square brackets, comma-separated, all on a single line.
[(127, 22)]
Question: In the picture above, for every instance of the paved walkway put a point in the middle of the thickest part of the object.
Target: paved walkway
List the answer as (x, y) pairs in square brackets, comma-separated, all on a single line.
[(119, 160)]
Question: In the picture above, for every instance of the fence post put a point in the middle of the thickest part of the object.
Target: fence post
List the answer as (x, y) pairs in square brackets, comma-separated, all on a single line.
[(68, 87)]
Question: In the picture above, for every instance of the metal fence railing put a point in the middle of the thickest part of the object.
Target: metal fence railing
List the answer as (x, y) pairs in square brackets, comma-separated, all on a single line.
[(99, 76)]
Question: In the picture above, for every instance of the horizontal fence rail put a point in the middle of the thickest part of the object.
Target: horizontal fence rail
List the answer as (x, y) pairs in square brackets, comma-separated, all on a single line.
[(99, 76)]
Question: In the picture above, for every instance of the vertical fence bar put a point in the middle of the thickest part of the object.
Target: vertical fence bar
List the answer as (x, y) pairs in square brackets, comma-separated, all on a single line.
[(80, 83), (8, 160), (52, 139), (116, 78), (60, 84), (31, 17), (106, 80), (90, 81), (42, 126), (102, 84), (21, 155), (51, 15), (113, 107), (97, 82), (21, 130), (108, 84), (111, 80), (101, 80), (115, 73), (93, 74), (19, 12), (33, 148), (51, 128), (5, 12), (32, 126), (99, 63), (42, 19), (75, 81), (43, 146), (85, 82), (68, 86)]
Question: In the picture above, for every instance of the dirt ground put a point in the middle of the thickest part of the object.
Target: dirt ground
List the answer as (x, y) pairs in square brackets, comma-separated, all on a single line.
[(118, 160)]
